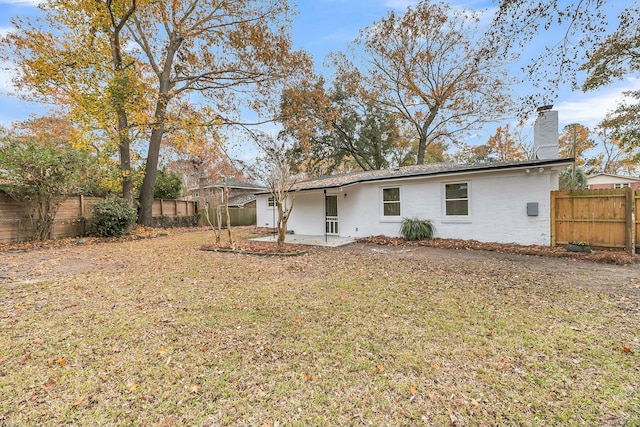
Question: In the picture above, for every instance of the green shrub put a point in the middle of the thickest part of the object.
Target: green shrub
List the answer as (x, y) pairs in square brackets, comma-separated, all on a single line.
[(113, 216), (168, 185), (416, 229)]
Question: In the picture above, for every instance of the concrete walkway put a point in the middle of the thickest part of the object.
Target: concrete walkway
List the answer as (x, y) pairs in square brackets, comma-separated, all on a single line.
[(300, 239)]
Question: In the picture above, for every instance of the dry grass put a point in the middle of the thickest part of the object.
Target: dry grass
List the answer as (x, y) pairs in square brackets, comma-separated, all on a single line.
[(160, 333)]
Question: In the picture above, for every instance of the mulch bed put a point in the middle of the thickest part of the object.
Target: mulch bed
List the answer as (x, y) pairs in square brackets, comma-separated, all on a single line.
[(601, 256), (257, 248)]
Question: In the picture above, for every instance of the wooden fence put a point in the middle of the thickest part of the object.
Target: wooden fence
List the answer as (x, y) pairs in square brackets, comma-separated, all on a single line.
[(71, 217), (603, 218), (238, 216)]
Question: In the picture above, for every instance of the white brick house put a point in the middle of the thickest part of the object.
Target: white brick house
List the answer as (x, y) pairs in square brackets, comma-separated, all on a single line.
[(506, 203), (488, 202)]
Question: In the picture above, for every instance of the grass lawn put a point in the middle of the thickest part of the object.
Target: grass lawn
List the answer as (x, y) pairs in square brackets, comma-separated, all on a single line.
[(156, 332)]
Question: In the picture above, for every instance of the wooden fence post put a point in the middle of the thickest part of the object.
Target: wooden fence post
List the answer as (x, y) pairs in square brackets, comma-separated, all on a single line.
[(630, 222)]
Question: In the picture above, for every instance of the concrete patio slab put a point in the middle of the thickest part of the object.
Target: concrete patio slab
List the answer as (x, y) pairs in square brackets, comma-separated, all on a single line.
[(300, 239)]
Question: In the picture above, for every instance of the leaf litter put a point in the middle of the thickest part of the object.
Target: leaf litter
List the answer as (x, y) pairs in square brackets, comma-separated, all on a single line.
[(157, 332)]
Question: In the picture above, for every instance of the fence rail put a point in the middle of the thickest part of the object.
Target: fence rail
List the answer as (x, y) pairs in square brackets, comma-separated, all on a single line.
[(604, 218), (71, 218)]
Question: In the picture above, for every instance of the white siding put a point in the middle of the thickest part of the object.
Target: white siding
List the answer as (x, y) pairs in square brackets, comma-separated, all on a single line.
[(497, 207), (610, 179)]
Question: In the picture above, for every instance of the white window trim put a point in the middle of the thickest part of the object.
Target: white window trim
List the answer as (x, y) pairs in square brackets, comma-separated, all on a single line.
[(389, 218), (456, 218)]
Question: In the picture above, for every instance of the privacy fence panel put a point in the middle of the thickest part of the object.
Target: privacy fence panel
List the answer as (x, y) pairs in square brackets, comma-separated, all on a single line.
[(603, 218), (238, 216), (71, 218), (636, 225)]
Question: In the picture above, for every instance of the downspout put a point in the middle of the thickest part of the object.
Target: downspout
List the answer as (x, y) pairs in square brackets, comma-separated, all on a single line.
[(325, 215)]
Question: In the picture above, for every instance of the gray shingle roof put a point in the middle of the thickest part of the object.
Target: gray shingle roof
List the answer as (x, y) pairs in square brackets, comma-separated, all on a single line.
[(430, 169), (242, 200)]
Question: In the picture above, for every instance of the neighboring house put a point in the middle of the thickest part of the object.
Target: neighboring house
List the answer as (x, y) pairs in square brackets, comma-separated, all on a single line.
[(489, 202), (608, 180), (243, 201), (241, 193)]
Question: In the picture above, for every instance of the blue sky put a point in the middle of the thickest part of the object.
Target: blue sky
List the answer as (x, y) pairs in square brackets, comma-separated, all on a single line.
[(329, 25)]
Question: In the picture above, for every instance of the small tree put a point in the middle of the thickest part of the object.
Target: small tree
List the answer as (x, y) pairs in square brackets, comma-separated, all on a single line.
[(168, 185), (41, 175), (274, 167), (571, 179)]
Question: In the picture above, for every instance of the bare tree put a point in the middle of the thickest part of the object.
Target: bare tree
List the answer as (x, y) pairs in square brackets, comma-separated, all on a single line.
[(219, 49), (428, 67), (273, 166)]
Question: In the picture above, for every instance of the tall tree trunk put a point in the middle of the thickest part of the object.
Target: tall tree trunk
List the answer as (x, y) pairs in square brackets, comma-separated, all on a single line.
[(422, 148), (125, 157), (124, 139), (145, 216)]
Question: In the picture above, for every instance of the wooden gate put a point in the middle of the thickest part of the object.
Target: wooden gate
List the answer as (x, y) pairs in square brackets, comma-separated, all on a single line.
[(603, 218)]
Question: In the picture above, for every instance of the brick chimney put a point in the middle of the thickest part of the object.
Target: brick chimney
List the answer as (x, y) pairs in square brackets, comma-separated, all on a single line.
[(545, 134)]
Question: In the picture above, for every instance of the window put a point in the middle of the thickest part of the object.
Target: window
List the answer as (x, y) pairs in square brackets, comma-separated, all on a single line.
[(622, 185), (391, 201), (457, 199), (271, 202)]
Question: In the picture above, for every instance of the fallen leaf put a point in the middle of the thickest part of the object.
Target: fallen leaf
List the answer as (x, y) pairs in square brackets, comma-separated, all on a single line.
[(62, 362), (160, 351), (298, 320), (78, 401), (626, 349), (308, 377), (475, 403), (413, 390), (489, 334), (26, 356), (380, 368), (49, 385), (195, 388), (133, 387), (204, 349)]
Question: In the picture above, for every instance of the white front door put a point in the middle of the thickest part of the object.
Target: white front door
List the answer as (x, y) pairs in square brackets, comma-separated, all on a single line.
[(331, 215)]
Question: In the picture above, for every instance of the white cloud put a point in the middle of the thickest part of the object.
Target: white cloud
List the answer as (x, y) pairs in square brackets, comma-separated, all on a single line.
[(23, 2), (6, 74), (6, 30), (400, 4), (590, 108)]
